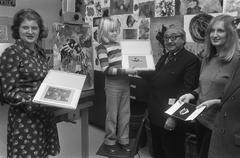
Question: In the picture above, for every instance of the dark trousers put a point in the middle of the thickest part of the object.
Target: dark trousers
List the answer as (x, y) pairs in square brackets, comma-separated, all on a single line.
[(168, 144), (203, 139)]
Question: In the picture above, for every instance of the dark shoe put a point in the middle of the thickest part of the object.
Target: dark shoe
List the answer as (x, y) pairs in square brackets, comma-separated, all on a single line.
[(125, 147), (111, 149)]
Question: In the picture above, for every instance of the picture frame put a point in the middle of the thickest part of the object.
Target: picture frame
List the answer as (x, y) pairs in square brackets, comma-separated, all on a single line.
[(137, 55), (60, 89)]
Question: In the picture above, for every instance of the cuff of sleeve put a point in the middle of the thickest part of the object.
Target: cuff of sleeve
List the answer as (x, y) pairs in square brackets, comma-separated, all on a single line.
[(121, 71), (195, 94)]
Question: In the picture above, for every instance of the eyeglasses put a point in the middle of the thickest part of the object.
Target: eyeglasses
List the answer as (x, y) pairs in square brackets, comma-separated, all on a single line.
[(172, 37)]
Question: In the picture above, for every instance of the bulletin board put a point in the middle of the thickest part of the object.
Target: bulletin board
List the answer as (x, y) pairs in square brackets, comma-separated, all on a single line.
[(151, 18)]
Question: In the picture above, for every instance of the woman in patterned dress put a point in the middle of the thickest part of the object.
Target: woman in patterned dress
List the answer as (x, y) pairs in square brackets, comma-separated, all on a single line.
[(32, 131)]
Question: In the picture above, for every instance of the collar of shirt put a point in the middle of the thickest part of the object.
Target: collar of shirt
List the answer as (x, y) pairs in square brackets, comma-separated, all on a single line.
[(22, 46)]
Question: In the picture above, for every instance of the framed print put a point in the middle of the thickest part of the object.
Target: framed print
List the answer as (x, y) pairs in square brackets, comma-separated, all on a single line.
[(137, 54), (60, 89)]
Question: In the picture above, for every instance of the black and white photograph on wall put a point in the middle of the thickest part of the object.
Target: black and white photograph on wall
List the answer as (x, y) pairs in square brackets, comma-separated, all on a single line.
[(89, 13), (88, 2), (146, 8), (164, 8), (231, 5), (129, 33), (3, 33), (199, 6), (5, 30), (121, 7), (131, 21), (144, 29)]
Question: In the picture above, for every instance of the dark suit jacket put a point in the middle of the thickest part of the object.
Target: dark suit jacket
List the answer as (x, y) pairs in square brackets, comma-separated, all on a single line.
[(225, 142), (171, 80)]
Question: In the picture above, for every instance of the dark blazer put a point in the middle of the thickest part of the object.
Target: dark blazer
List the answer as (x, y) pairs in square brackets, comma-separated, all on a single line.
[(225, 141), (171, 80)]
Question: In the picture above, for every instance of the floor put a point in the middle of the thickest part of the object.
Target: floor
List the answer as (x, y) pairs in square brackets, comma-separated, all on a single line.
[(70, 140)]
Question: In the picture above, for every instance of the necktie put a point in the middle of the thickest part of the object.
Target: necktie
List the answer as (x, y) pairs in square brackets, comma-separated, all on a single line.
[(170, 57)]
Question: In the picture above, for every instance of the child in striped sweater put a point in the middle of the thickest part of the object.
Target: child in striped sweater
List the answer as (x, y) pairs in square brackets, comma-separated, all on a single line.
[(116, 87)]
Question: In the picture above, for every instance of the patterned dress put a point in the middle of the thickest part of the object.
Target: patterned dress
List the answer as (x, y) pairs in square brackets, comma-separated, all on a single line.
[(32, 131)]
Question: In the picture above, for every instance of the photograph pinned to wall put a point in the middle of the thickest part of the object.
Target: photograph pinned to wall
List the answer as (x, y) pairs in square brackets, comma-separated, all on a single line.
[(79, 6), (231, 5), (131, 21), (144, 28), (146, 8), (164, 8), (103, 3), (121, 7), (5, 30), (89, 13), (98, 5), (199, 6), (121, 22), (158, 27), (196, 25), (96, 21), (88, 2), (130, 33), (72, 50), (3, 33)]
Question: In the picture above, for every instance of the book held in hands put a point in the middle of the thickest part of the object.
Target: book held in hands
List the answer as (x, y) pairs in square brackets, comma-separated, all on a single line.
[(60, 89), (184, 111), (137, 55)]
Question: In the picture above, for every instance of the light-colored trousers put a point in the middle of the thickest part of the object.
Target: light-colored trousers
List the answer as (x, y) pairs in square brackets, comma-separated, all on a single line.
[(117, 112)]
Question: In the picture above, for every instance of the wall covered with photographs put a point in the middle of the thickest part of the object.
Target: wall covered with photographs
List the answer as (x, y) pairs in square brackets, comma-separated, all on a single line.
[(149, 19)]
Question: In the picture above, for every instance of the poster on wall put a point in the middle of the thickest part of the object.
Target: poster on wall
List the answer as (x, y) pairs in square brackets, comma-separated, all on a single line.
[(231, 5), (144, 29), (164, 8), (196, 25), (3, 33), (158, 28), (72, 50), (187, 7), (5, 30), (121, 7), (144, 8)]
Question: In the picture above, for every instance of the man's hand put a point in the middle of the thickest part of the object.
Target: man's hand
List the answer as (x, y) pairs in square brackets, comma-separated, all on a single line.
[(170, 124), (209, 103), (186, 98)]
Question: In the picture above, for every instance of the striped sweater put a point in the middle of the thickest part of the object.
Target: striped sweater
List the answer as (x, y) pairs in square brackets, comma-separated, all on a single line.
[(110, 58)]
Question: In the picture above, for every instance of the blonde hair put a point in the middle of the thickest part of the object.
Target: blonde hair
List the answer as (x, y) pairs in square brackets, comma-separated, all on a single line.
[(231, 44), (107, 25)]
